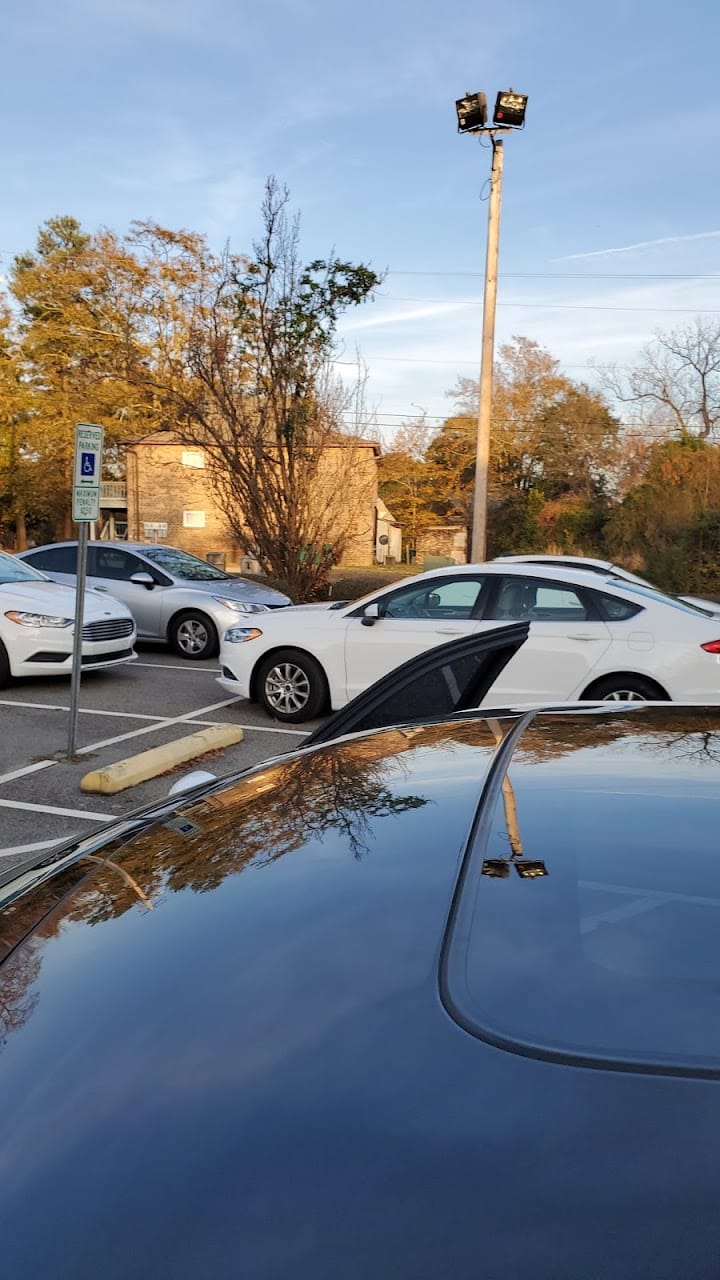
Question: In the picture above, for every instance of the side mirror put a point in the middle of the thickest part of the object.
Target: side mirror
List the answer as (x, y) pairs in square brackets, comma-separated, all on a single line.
[(190, 780), (143, 579), (371, 615)]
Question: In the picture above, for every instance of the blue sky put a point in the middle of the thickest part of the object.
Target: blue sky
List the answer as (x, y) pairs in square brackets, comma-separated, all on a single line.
[(178, 111)]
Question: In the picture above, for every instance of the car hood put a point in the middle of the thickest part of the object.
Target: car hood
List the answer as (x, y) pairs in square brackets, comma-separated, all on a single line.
[(57, 599), (239, 589), (236, 1023)]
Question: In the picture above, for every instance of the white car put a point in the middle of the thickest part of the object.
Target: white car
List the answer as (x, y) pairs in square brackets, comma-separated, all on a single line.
[(591, 637), (601, 566), (37, 624)]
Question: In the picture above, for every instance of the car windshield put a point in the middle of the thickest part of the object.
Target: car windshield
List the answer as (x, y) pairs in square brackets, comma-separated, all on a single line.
[(181, 565), (12, 570)]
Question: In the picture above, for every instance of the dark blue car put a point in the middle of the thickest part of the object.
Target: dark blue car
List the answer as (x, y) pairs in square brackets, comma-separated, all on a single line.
[(437, 998)]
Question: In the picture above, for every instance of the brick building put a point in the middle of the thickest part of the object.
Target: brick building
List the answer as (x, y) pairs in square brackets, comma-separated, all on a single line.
[(169, 498), (442, 542)]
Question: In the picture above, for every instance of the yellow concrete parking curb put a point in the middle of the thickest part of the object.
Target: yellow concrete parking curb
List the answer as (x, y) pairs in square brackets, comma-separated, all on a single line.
[(148, 764)]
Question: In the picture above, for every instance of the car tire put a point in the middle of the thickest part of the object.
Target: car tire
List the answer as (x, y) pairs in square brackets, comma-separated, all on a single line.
[(291, 686), (5, 674), (625, 688), (193, 635)]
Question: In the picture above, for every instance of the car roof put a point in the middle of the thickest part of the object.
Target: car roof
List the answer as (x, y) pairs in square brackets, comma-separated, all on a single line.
[(560, 573), (551, 559)]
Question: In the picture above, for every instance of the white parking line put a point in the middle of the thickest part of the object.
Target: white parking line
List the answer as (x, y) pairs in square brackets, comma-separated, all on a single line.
[(171, 666), (60, 813), (188, 716), (271, 728), (30, 768), (153, 724), (153, 720), (84, 711), (33, 706), (30, 848)]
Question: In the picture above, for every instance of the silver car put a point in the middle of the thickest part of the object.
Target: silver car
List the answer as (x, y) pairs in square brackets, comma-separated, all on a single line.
[(173, 596)]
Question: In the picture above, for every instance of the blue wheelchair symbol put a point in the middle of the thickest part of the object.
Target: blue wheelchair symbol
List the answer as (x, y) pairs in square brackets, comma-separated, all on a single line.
[(87, 464)]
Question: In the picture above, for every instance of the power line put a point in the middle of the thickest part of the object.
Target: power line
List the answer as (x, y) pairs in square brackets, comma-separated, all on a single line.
[(553, 306), (569, 275), (369, 357), (626, 431)]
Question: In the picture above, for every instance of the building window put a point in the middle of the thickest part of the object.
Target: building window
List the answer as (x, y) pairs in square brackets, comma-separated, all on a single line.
[(193, 519), (193, 458)]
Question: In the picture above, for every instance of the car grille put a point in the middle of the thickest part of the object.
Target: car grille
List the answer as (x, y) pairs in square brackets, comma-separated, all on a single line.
[(108, 629)]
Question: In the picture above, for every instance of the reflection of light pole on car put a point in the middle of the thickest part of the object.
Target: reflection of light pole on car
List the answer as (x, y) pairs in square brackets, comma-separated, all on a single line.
[(499, 868), (509, 114), (108, 862)]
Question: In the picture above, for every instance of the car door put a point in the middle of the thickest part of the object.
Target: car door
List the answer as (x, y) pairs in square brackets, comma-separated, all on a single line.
[(444, 680), (410, 620), (110, 569), (568, 638)]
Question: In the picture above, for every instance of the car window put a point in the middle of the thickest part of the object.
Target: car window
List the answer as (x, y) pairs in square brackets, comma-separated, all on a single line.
[(440, 598), (651, 593), (519, 599), (185, 566), (109, 562), (12, 570), (55, 559), (613, 608)]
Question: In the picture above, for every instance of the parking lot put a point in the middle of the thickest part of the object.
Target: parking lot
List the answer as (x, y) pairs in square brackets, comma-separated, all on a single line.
[(149, 703)]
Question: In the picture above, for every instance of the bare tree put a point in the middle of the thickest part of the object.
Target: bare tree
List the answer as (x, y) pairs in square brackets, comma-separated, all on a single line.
[(239, 355), (677, 382)]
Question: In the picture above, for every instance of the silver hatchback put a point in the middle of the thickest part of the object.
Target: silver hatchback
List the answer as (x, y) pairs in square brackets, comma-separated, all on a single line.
[(173, 596)]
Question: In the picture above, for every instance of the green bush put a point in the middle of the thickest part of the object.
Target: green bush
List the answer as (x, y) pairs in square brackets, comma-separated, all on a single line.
[(345, 584), (348, 584)]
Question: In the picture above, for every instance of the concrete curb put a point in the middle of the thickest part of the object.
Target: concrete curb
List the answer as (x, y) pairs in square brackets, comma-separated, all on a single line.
[(148, 764)]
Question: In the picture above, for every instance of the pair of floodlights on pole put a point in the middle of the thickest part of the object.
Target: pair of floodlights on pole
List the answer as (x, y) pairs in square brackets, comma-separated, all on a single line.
[(472, 117)]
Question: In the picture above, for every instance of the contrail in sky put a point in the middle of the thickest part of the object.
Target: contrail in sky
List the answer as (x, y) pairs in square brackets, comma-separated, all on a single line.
[(641, 244)]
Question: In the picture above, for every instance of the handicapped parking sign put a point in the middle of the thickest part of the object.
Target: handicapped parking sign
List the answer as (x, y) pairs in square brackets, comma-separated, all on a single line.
[(87, 471)]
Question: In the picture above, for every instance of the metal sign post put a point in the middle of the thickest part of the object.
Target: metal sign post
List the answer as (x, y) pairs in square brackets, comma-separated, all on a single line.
[(87, 471)]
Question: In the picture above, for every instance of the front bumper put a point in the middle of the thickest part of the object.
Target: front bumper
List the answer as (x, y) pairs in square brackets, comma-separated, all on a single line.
[(47, 651), (236, 688)]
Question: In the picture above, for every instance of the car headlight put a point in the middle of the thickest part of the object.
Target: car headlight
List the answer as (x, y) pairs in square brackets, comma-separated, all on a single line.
[(25, 619), (241, 606), (238, 635)]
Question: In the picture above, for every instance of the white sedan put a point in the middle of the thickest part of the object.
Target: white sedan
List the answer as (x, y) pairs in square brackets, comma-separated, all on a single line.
[(591, 638), (37, 623)]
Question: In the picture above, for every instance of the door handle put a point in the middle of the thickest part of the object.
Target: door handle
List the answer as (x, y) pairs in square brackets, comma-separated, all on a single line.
[(583, 637)]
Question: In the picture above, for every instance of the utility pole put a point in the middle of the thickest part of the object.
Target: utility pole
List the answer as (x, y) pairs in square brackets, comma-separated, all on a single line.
[(482, 455), (472, 117)]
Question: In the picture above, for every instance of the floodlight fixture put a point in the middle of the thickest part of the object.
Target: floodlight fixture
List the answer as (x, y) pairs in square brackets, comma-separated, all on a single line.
[(510, 109), (471, 112), (530, 868), (496, 868)]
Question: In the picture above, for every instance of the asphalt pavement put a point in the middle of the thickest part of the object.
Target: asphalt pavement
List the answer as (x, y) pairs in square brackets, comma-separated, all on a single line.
[(122, 711)]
